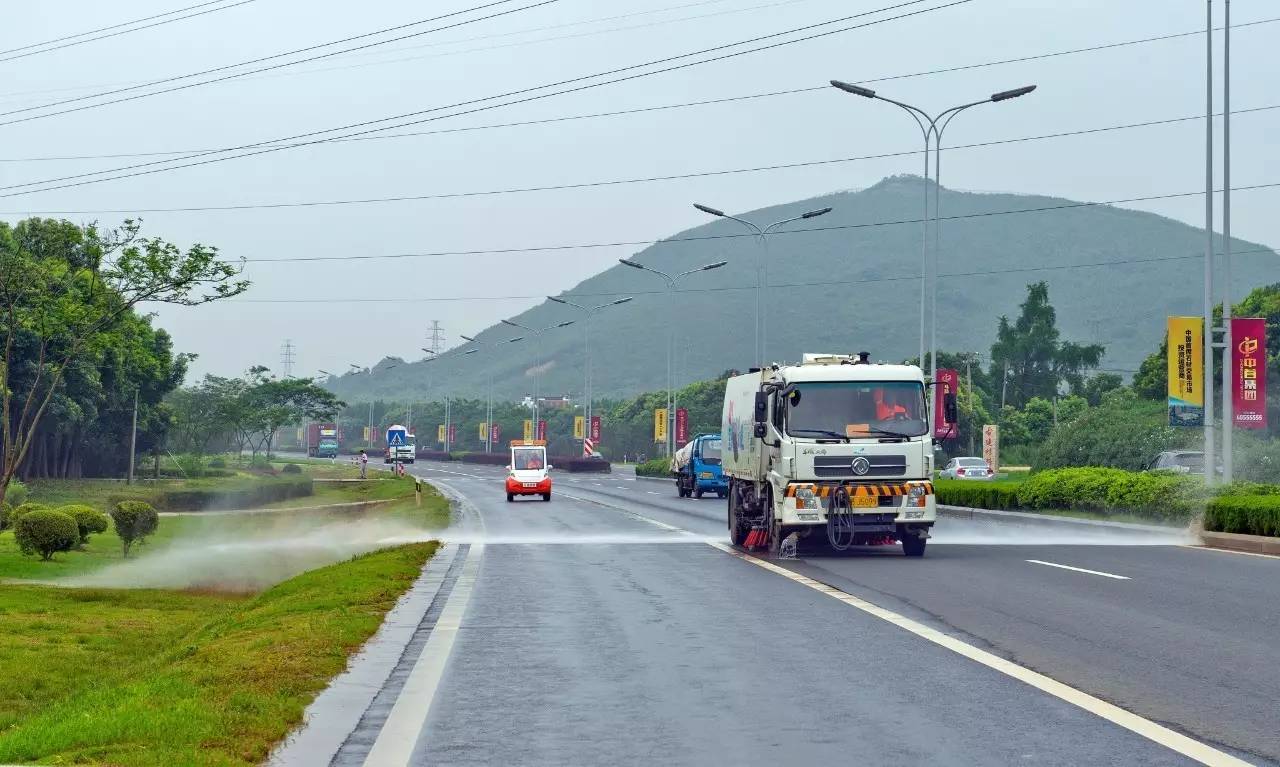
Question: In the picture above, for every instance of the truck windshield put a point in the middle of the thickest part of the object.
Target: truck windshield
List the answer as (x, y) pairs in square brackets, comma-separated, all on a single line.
[(856, 408), (711, 451)]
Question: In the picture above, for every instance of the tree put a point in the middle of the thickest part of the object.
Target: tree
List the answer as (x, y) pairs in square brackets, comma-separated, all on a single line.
[(134, 521), (273, 403), (1098, 385), (1030, 354), (64, 291)]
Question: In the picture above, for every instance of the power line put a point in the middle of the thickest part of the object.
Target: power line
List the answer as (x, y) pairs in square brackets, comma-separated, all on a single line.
[(724, 289), (42, 45), (262, 59), (735, 235), (641, 110), (263, 147), (627, 181)]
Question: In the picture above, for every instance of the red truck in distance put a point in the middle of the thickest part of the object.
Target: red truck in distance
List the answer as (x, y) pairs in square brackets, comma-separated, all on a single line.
[(322, 440)]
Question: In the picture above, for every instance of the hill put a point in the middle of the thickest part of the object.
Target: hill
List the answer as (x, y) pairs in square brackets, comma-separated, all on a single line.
[(851, 284)]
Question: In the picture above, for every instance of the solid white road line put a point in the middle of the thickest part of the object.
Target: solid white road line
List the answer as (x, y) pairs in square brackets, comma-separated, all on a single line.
[(1079, 569), (1163, 736), (408, 717)]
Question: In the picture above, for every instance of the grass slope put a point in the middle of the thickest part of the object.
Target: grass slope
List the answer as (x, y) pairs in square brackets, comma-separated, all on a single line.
[(140, 678)]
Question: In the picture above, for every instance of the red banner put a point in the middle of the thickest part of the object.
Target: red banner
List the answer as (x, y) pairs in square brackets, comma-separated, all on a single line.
[(945, 383), (453, 433), (682, 426), (495, 434), (595, 429), (542, 430), (1249, 372)]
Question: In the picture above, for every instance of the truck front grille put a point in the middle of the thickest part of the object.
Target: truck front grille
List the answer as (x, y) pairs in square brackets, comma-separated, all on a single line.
[(842, 466)]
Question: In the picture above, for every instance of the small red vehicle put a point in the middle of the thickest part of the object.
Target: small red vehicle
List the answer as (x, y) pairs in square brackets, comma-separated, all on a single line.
[(527, 472)]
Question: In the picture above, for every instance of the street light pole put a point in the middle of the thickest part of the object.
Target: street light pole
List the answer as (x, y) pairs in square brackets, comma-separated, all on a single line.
[(1228, 406), (935, 127), (488, 408), (587, 394), (762, 270), (537, 378), (672, 281)]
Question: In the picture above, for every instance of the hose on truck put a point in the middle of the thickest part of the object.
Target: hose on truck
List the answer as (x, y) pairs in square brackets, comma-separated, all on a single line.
[(840, 528)]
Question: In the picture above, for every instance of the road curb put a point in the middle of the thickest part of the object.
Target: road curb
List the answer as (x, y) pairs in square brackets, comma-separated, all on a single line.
[(1250, 544), (1048, 520)]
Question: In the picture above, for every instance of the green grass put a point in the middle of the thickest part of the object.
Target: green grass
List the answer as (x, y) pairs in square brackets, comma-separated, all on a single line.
[(140, 678)]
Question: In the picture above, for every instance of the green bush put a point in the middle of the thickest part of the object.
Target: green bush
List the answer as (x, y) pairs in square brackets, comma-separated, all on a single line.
[(251, 493), (217, 462), (16, 494), (1248, 514), (657, 467), (291, 468), (88, 519), (5, 511), (1124, 432), (45, 532), (261, 463), (26, 508), (134, 520), (977, 494)]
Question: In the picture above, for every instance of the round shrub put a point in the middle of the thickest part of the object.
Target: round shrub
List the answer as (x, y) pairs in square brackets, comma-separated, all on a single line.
[(217, 463), (26, 508), (45, 532), (5, 511), (88, 519), (16, 494), (291, 468), (134, 521)]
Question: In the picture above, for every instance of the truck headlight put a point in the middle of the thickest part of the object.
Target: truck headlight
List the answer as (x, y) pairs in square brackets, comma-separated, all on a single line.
[(916, 495), (807, 499)]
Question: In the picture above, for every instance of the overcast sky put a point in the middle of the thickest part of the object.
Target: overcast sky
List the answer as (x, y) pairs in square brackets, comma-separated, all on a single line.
[(567, 39)]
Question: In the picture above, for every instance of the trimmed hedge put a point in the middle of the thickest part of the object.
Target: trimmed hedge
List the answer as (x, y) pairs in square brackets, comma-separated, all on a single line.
[(88, 520), (134, 520), (26, 508), (45, 532), (977, 494), (1247, 514), (1159, 496), (251, 494), (5, 511), (656, 467)]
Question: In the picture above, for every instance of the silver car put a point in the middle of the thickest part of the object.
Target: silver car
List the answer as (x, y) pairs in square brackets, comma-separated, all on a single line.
[(967, 468)]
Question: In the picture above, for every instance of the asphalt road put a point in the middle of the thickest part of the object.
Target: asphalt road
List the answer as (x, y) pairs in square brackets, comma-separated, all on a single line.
[(604, 629)]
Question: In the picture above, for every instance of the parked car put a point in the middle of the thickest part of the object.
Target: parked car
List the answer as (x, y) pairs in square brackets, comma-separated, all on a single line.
[(967, 468), (1180, 461)]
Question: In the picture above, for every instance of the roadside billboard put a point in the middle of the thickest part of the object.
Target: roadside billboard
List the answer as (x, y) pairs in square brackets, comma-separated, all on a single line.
[(495, 434), (579, 427), (660, 425), (1249, 372), (682, 426), (595, 429), (440, 434), (1186, 371), (484, 431), (528, 429), (542, 429), (945, 382)]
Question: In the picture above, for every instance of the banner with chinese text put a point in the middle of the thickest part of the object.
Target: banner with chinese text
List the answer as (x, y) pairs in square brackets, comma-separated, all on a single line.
[(1249, 372)]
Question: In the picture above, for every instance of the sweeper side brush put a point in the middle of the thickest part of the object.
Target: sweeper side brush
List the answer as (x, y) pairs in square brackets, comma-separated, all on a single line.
[(758, 538)]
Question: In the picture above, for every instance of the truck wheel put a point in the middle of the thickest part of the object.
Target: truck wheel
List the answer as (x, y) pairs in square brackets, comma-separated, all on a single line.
[(511, 497), (722, 494), (913, 546), (737, 530), (698, 493)]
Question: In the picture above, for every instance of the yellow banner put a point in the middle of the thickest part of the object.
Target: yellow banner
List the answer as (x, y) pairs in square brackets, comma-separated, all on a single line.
[(660, 425), (579, 427), (1186, 371), (484, 432), (528, 429), (440, 434), (368, 433)]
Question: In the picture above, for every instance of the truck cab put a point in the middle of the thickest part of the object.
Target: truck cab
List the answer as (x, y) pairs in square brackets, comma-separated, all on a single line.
[(835, 446), (697, 470)]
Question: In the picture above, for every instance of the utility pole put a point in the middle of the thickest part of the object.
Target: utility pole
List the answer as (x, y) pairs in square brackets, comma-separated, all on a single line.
[(968, 385), (133, 438), (287, 358), (1209, 442), (1228, 407)]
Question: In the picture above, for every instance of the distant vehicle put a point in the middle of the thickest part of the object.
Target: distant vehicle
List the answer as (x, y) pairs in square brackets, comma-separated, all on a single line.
[(1180, 461), (967, 468), (402, 447), (322, 440), (527, 472), (696, 468), (835, 446)]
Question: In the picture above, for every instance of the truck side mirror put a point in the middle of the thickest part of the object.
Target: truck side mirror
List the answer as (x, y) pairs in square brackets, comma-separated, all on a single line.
[(950, 412), (759, 431), (762, 407)]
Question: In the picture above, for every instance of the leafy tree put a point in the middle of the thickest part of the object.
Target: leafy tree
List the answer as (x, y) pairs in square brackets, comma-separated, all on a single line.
[(1124, 431), (1098, 385), (272, 404), (45, 532), (65, 291), (1030, 353), (134, 521)]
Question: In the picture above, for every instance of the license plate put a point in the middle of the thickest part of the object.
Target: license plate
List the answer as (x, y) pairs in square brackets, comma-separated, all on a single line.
[(530, 484), (865, 502)]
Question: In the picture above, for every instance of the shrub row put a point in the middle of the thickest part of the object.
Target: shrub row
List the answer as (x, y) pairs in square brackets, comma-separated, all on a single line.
[(977, 495), (41, 530), (1155, 495), (1248, 514), (253, 493), (656, 467)]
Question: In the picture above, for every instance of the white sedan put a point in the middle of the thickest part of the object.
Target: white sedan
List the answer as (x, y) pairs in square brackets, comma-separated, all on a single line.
[(967, 468)]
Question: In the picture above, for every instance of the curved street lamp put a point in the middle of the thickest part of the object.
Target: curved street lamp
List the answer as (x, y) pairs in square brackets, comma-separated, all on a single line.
[(587, 394)]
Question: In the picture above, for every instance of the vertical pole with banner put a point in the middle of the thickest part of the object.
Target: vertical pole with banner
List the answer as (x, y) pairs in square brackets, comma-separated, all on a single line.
[(542, 430), (682, 426), (946, 382), (579, 427), (660, 426), (1249, 368), (991, 446), (1187, 380), (495, 434), (440, 434), (528, 430)]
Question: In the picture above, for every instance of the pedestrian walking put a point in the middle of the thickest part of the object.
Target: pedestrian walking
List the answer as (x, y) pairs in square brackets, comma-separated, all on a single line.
[(364, 465)]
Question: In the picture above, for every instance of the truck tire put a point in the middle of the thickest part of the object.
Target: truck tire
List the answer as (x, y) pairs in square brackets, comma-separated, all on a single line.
[(698, 493), (737, 530), (913, 546)]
